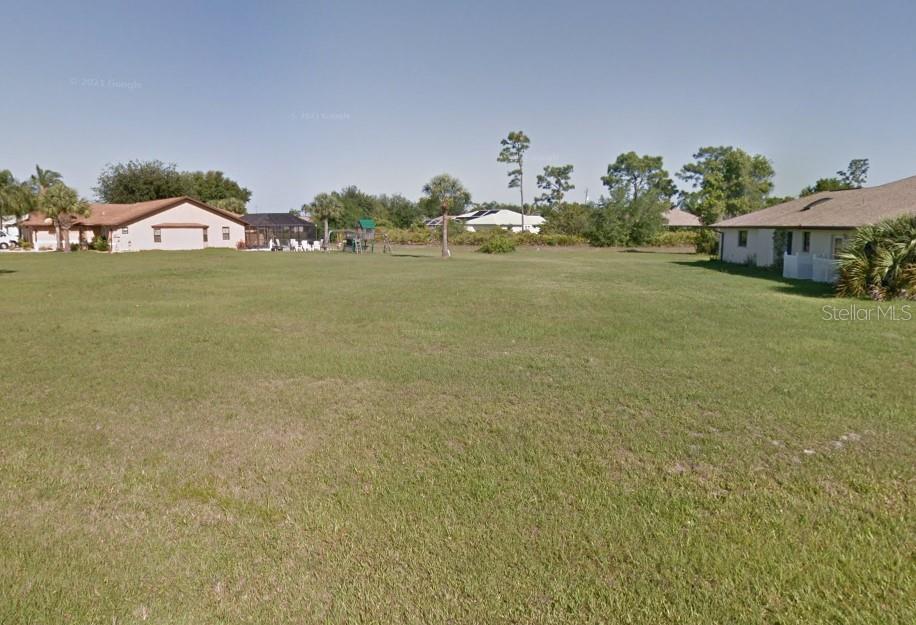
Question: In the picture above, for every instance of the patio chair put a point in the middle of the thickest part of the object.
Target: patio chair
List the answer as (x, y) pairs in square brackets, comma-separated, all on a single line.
[(293, 245)]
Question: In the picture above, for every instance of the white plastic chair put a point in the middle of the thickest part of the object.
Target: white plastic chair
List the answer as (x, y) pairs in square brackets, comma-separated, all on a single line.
[(316, 246)]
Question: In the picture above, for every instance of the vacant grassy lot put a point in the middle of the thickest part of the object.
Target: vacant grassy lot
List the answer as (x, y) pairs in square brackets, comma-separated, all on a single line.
[(564, 436)]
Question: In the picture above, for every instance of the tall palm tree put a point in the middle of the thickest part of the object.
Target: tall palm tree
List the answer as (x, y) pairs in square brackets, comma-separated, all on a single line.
[(449, 195), (42, 179), (326, 206)]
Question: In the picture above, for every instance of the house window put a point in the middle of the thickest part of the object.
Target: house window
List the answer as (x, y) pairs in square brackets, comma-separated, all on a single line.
[(790, 239), (157, 235), (124, 230), (225, 233), (205, 235), (742, 238), (806, 242)]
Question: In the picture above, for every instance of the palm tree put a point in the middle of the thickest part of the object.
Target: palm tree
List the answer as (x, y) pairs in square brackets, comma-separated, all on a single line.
[(880, 261), (326, 206), (450, 196), (62, 205), (42, 179), (16, 198)]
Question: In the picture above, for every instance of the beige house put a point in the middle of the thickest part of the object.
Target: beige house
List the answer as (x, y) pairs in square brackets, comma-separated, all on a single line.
[(815, 227), (178, 223)]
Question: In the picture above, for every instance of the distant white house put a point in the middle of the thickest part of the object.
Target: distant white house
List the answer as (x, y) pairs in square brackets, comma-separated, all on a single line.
[(488, 219), (815, 227), (178, 223)]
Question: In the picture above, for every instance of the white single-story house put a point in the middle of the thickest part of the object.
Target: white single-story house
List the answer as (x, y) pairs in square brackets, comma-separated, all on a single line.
[(676, 218), (815, 227), (488, 219), (178, 223)]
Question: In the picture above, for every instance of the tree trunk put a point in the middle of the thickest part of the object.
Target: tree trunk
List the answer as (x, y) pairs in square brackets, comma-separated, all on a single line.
[(521, 188), (325, 246), (445, 251)]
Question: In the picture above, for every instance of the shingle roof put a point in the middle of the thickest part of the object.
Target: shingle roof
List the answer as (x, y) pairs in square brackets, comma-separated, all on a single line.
[(834, 209), (680, 218), (123, 214)]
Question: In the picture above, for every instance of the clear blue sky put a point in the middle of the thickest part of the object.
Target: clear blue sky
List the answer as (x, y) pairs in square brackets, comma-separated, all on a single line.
[(292, 99)]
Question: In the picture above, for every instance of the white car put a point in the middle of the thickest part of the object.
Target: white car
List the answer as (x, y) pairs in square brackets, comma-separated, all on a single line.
[(7, 241)]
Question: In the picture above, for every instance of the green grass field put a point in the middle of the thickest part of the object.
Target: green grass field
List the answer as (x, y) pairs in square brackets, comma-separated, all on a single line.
[(563, 436)]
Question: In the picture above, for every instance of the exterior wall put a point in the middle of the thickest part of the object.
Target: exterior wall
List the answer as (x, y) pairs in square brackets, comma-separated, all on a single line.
[(46, 238), (817, 263), (759, 246), (139, 235)]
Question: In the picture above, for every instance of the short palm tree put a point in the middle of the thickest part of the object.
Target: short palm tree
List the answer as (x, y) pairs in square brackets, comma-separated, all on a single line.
[(449, 195), (326, 206), (62, 205), (880, 261), (16, 198)]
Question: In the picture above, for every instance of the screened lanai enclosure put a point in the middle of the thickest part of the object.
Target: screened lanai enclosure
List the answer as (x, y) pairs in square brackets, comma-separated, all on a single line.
[(279, 228)]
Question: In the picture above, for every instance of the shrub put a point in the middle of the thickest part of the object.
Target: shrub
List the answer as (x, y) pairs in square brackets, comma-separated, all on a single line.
[(413, 236), (26, 245), (707, 242), (675, 238), (74, 247), (880, 261), (99, 244), (498, 245), (241, 245)]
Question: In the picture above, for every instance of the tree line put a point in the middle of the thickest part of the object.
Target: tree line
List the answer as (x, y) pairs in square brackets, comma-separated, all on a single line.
[(720, 182)]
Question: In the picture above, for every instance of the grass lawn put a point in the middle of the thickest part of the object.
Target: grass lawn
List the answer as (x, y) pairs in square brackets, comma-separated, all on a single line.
[(563, 436)]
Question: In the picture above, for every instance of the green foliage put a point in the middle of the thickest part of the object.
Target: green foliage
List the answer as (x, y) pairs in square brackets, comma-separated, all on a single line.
[(880, 261), (513, 151), (213, 187), (554, 182), (231, 204), (63, 206), (773, 201), (138, 181), (637, 176), (498, 245), (856, 173), (569, 219), (853, 177), (43, 179), (99, 244), (625, 220), (707, 241), (74, 247), (141, 181), (726, 182), (824, 184), (25, 245), (675, 238), (447, 193), (16, 198)]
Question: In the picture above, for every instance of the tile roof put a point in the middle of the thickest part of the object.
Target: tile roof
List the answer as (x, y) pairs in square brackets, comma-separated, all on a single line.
[(834, 209)]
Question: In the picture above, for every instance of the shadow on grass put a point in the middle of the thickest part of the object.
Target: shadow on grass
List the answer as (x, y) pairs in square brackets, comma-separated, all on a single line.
[(805, 288), (2, 271)]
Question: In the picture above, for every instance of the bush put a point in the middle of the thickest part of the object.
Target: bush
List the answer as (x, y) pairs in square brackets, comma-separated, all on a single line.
[(241, 245), (675, 238), (707, 242), (74, 247), (498, 245), (99, 244), (413, 236), (26, 245), (880, 261)]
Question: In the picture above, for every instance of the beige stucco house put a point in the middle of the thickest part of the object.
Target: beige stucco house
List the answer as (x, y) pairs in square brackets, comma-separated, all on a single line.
[(816, 228), (178, 223)]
